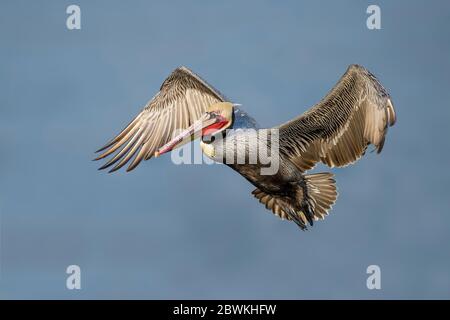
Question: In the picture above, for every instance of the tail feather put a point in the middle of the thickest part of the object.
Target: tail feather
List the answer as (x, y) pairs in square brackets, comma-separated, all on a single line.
[(322, 193), (312, 201)]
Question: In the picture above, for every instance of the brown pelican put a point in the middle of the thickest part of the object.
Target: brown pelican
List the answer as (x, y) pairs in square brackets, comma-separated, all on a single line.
[(336, 131)]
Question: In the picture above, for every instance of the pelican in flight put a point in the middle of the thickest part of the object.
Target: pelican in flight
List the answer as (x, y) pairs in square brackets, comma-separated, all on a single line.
[(336, 131)]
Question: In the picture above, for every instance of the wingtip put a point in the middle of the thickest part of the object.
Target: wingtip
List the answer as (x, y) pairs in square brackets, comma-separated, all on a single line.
[(101, 156), (103, 148), (131, 168), (392, 114), (113, 170), (96, 159), (103, 167)]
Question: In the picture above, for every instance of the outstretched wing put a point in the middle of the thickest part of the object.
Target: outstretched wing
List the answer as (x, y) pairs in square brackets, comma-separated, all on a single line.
[(182, 99), (337, 130)]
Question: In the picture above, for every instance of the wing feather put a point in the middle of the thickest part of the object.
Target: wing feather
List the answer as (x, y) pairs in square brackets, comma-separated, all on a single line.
[(355, 113), (182, 99)]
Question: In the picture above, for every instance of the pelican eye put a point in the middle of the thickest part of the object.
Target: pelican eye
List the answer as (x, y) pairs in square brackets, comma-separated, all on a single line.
[(208, 139)]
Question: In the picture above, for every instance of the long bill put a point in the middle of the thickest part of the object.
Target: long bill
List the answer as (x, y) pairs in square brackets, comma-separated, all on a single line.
[(198, 128)]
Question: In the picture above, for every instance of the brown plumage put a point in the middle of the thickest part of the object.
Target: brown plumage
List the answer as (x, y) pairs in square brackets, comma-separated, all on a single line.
[(336, 131), (182, 99)]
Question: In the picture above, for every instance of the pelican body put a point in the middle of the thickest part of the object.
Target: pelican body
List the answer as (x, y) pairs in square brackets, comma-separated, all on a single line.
[(337, 131)]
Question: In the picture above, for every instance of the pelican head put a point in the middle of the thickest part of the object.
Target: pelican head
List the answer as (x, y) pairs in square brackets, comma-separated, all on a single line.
[(217, 118)]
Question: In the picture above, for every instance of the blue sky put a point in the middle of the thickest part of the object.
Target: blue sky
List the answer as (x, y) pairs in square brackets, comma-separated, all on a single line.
[(166, 231)]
